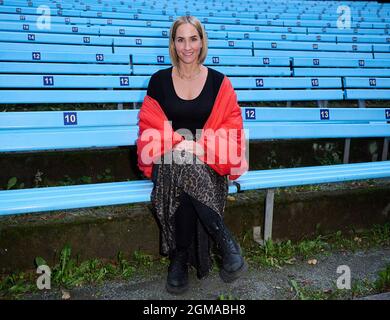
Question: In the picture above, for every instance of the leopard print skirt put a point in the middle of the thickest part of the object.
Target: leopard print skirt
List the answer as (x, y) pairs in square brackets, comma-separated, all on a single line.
[(199, 181)]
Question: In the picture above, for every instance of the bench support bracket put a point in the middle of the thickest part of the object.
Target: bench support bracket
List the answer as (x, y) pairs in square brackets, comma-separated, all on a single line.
[(385, 150), (361, 103), (322, 103), (347, 147), (269, 212)]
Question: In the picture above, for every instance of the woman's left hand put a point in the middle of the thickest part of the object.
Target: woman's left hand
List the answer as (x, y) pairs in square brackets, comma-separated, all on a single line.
[(190, 146)]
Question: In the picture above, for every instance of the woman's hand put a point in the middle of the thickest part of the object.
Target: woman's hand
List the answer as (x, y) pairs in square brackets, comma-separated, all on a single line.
[(189, 146)]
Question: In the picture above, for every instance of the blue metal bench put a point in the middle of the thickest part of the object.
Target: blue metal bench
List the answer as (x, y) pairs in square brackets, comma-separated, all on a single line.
[(311, 54), (212, 23), (271, 33), (216, 60), (159, 32), (118, 73), (143, 14), (367, 88), (71, 48), (229, 65), (36, 131), (74, 57), (115, 71), (247, 89), (119, 76), (161, 41), (295, 123), (311, 67)]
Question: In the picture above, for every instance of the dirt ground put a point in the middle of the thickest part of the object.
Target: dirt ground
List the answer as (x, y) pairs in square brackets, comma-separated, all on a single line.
[(259, 283)]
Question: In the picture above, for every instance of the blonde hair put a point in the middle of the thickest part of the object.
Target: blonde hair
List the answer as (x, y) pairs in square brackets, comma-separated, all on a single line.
[(202, 34)]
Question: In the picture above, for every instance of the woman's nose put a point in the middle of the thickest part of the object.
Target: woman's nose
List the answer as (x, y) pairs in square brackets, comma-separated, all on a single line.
[(187, 45)]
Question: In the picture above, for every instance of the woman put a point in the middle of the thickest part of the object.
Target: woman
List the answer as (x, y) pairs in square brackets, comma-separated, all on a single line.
[(191, 157)]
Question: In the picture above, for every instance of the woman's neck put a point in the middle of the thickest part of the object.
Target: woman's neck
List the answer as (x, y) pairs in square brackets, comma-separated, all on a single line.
[(188, 71)]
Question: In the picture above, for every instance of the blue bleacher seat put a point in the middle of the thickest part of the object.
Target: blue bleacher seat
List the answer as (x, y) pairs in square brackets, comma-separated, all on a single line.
[(277, 51)]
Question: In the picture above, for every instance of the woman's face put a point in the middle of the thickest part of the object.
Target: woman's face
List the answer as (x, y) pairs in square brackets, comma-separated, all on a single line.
[(188, 43)]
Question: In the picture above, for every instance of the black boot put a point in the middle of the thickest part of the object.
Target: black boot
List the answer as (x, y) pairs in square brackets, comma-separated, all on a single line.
[(177, 279), (233, 264)]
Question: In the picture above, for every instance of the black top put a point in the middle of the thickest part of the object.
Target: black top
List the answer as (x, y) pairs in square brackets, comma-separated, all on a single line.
[(185, 114)]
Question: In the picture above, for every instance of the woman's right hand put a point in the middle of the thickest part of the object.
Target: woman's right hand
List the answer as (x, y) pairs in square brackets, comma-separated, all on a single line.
[(183, 145), (189, 146)]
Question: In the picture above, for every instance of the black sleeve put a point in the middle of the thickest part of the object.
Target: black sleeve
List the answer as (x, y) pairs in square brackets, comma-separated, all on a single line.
[(153, 87)]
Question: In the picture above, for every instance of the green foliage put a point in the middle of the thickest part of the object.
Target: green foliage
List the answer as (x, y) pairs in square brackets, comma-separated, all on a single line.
[(277, 254), (126, 270), (39, 261), (274, 254), (226, 297), (86, 179), (106, 176), (359, 288), (271, 254), (327, 154), (304, 292), (15, 285), (362, 288), (11, 183), (68, 272), (142, 259), (382, 284)]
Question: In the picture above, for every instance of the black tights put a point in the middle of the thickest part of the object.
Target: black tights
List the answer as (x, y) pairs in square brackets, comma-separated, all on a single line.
[(185, 219)]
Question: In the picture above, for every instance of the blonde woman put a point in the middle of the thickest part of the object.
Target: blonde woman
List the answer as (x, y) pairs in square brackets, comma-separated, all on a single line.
[(191, 111)]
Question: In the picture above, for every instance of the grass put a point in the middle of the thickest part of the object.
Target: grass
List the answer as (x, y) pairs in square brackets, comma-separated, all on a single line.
[(359, 288), (70, 272), (226, 296), (277, 254), (382, 284)]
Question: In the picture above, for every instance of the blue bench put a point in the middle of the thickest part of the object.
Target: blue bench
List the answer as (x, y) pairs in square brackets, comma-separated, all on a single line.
[(269, 33), (295, 123), (162, 42), (318, 46), (62, 19), (363, 79), (93, 89), (229, 22), (44, 70), (311, 54), (37, 131), (209, 15), (38, 62), (229, 65), (85, 82), (124, 72), (253, 69), (72, 48)]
